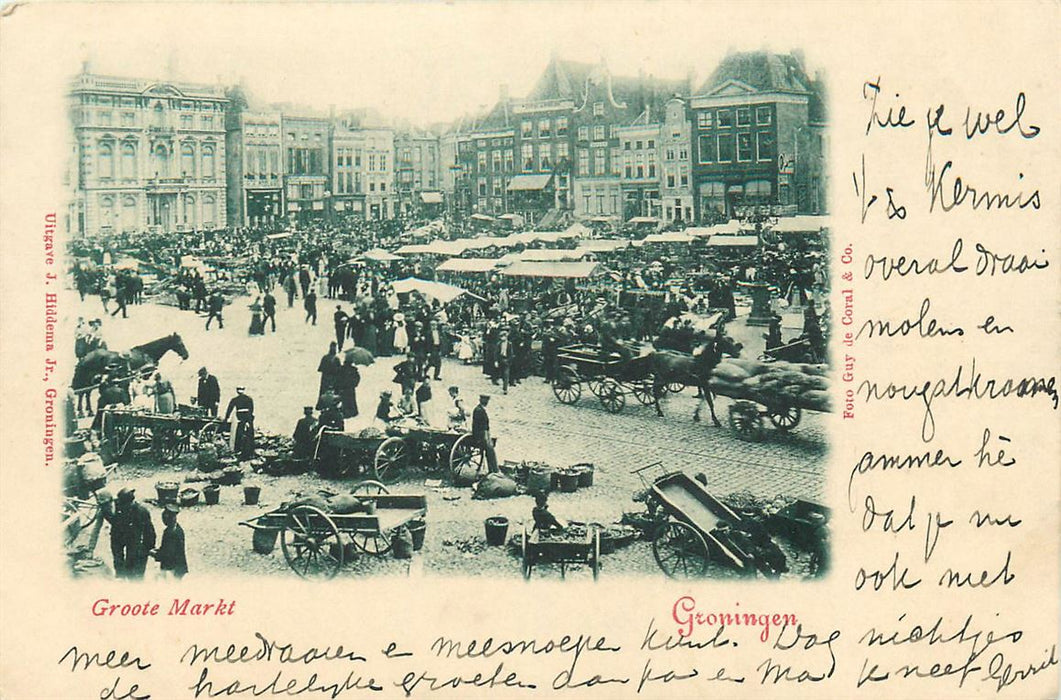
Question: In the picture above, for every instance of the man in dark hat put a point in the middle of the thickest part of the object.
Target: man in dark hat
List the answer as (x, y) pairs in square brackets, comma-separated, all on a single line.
[(132, 535), (305, 434), (481, 431), (243, 406), (215, 306), (170, 553), (269, 311), (208, 395)]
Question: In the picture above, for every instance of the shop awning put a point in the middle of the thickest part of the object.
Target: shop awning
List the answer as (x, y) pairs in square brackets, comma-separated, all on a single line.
[(572, 270), (551, 255), (479, 265), (529, 183), (445, 293), (431, 197), (719, 241), (379, 255)]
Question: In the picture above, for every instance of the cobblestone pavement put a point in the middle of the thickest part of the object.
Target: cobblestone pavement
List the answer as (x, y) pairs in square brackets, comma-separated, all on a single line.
[(279, 371)]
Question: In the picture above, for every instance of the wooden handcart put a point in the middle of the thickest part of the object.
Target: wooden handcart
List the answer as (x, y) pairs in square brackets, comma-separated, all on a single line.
[(386, 456), (170, 434), (691, 527), (539, 547), (313, 541)]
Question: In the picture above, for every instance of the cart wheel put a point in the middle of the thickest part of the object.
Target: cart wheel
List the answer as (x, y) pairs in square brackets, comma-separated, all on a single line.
[(369, 488), (643, 391), (676, 387), (596, 553), (374, 543), (567, 387), (680, 550), (391, 457), (308, 541), (785, 418), (611, 395), (526, 565), (745, 421), (595, 385), (466, 453)]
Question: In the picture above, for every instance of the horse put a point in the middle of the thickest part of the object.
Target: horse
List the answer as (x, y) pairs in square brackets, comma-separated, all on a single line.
[(138, 360), (667, 367)]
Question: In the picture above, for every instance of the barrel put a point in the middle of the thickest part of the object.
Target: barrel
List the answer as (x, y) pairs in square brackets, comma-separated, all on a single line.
[(496, 530), (585, 474), (167, 492), (212, 494), (540, 479), (568, 481)]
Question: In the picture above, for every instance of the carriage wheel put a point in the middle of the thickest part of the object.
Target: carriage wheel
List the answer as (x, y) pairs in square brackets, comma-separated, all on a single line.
[(166, 442), (611, 396), (391, 457), (374, 543), (596, 553), (567, 387), (644, 391), (466, 452), (369, 488), (745, 421), (309, 541), (786, 418), (526, 563), (680, 550), (596, 385), (676, 387)]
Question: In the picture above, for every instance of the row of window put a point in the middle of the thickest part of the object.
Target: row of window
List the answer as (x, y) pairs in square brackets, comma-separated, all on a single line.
[(727, 118), (129, 218), (546, 128), (352, 158), (600, 132), (261, 130), (145, 101), (160, 161), (129, 120), (742, 148), (638, 145), (261, 161)]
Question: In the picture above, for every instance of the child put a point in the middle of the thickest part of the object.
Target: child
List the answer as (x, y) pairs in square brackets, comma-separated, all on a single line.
[(170, 553), (545, 521)]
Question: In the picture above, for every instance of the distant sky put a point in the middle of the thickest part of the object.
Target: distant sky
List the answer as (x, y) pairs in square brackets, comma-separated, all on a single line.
[(424, 63)]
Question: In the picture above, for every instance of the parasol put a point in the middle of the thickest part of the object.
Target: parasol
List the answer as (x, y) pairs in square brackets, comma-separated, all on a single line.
[(361, 356)]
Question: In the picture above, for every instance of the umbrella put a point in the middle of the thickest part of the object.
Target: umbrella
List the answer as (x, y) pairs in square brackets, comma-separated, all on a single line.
[(361, 356)]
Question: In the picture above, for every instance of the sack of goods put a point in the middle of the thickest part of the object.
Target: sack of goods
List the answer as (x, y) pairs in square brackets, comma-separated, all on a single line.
[(771, 383), (495, 486)]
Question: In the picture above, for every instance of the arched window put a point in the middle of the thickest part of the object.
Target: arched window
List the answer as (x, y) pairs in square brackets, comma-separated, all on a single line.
[(129, 218), (209, 210), (106, 160), (190, 217), (106, 208), (129, 161), (187, 160), (208, 161), (161, 153)]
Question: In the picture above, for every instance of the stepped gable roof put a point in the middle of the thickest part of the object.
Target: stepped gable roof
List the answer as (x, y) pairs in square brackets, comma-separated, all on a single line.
[(765, 72)]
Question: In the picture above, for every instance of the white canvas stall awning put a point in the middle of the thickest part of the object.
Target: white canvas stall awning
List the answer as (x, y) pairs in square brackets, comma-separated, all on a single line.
[(573, 270), (481, 217), (719, 241), (278, 236), (577, 230), (431, 197), (379, 255), (801, 224), (413, 249), (603, 245), (445, 293), (669, 237), (467, 265), (550, 254)]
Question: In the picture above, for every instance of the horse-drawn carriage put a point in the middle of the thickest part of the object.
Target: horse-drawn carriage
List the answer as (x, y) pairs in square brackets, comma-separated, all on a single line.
[(386, 455), (608, 375)]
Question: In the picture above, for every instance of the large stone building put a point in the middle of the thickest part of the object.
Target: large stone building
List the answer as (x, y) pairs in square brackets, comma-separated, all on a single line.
[(486, 156), (362, 171), (307, 171), (758, 126), (639, 177), (151, 155)]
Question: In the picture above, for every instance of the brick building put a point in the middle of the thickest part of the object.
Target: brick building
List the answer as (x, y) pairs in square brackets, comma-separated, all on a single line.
[(486, 155), (418, 179), (757, 137), (150, 155), (639, 177), (255, 165), (676, 184)]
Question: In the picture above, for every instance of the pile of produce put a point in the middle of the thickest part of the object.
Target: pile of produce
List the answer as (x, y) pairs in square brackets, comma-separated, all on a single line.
[(773, 383)]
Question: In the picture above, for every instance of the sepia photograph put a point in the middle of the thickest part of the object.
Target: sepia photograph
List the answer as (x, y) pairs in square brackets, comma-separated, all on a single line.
[(568, 321)]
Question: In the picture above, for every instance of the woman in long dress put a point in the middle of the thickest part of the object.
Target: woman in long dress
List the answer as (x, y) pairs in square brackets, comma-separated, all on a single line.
[(257, 322), (348, 379), (165, 398), (401, 336)]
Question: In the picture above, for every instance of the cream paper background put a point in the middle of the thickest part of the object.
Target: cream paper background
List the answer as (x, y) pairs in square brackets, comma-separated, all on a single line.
[(979, 54)]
